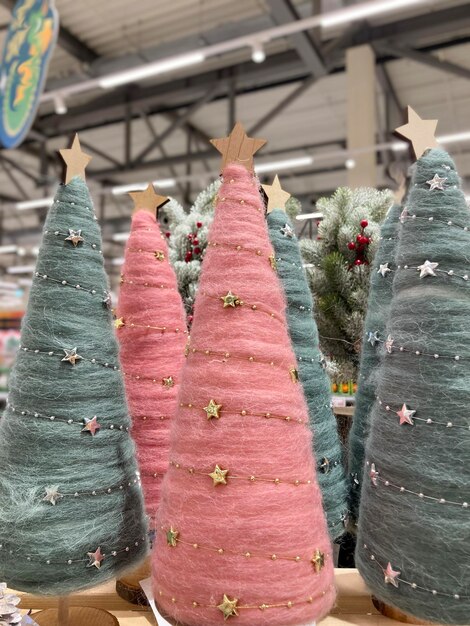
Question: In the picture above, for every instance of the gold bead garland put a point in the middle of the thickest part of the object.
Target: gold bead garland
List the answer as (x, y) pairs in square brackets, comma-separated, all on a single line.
[(122, 322), (244, 413), (123, 281), (237, 302), (240, 248)]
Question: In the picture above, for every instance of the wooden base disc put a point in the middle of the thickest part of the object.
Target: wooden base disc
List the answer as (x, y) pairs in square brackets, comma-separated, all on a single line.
[(396, 614), (128, 586), (78, 616)]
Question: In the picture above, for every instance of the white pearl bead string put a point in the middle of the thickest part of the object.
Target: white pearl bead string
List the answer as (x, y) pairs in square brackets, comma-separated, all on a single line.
[(93, 361), (428, 420)]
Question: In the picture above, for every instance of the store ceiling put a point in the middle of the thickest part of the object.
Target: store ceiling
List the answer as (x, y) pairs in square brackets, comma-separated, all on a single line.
[(116, 126)]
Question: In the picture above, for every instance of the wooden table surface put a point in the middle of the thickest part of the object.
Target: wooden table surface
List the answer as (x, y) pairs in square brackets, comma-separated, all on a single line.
[(353, 608)]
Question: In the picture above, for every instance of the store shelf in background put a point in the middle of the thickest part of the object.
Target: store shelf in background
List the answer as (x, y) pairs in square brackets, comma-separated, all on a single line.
[(353, 608)]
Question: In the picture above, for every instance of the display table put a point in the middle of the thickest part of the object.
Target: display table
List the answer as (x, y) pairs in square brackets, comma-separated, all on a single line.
[(353, 608)]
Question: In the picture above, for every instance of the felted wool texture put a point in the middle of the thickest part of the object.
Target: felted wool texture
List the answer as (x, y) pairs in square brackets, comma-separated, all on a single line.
[(427, 541), (313, 377), (149, 355), (378, 308), (261, 518), (37, 452)]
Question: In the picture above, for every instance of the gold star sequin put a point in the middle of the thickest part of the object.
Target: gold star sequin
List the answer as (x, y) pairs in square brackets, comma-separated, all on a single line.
[(272, 261), (75, 237), (228, 607), (294, 374), (75, 160), (277, 197), (168, 381), (219, 476), (159, 255), (318, 560), (119, 323), (212, 409), (172, 537), (419, 132), (230, 299), (71, 356)]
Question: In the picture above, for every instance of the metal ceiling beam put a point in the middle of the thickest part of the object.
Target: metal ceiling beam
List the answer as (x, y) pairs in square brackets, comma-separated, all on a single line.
[(402, 51), (67, 41), (283, 12)]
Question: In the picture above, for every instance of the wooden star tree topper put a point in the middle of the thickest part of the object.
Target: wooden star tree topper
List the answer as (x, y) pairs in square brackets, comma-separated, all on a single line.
[(75, 160), (148, 200), (238, 147), (277, 197), (420, 133)]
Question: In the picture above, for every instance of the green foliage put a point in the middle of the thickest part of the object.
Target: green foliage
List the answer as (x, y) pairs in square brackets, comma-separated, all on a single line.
[(339, 287)]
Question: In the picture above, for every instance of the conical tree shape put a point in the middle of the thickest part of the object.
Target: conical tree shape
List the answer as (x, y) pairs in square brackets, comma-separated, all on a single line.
[(313, 377), (378, 309), (241, 532), (151, 328), (69, 489), (414, 522)]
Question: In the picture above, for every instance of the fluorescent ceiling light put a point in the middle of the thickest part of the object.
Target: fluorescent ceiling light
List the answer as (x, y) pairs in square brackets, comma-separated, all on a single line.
[(8, 286), (365, 10), (258, 55), (163, 183), (20, 269), (350, 164), (120, 237), (59, 105), (8, 249), (151, 69), (118, 261), (454, 137), (309, 216), (283, 165), (25, 282), (34, 204)]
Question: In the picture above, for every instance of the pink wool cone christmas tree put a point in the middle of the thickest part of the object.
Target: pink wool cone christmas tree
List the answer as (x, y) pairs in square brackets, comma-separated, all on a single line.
[(241, 534), (151, 329)]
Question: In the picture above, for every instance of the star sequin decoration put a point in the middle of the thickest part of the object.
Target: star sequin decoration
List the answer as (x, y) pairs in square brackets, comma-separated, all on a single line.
[(272, 262), (383, 269), (107, 300), (95, 558), (405, 414), (219, 476), (238, 147), (427, 269), (148, 200), (71, 356), (230, 299), (325, 465), (213, 409), (318, 560), (287, 231), (172, 537), (159, 255), (52, 495), (277, 197), (389, 344), (421, 133), (390, 575), (75, 160), (228, 607), (294, 375), (436, 182), (119, 323), (168, 382), (373, 337), (403, 215), (75, 237), (91, 425), (373, 475)]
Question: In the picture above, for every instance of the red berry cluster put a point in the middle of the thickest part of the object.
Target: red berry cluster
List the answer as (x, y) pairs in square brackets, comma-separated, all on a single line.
[(194, 250), (360, 245)]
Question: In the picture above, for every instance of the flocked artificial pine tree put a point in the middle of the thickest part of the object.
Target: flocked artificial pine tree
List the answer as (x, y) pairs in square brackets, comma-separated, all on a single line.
[(378, 308), (348, 238), (241, 532), (71, 513), (311, 363), (151, 329), (414, 521)]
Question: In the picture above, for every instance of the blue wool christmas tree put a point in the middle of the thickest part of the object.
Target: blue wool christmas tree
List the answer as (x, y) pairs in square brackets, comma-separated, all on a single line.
[(311, 364), (378, 308), (71, 513), (413, 545)]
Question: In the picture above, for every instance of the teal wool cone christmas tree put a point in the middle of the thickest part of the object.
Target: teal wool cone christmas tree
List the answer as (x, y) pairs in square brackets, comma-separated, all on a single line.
[(311, 363), (378, 308), (414, 522), (71, 512)]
